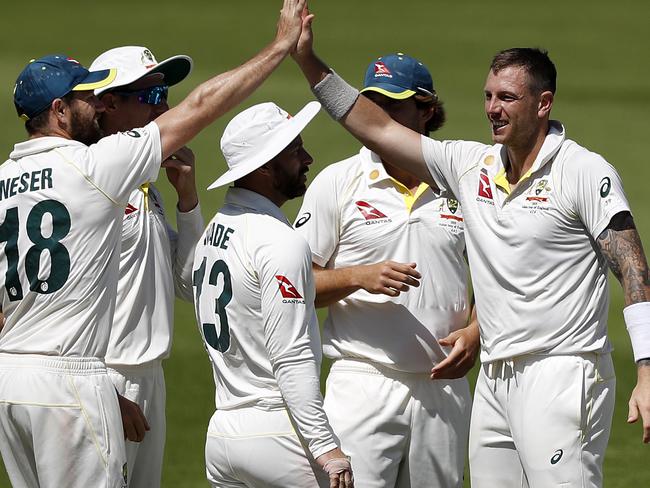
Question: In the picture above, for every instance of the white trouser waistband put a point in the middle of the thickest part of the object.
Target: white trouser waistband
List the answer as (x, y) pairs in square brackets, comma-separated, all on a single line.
[(367, 367), (135, 368), (78, 366), (505, 368)]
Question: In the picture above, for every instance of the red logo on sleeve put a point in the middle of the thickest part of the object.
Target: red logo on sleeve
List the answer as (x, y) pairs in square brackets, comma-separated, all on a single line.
[(130, 209), (286, 288), (484, 189), (368, 211)]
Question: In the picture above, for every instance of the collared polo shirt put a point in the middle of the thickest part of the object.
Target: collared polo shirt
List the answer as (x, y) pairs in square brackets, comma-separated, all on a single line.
[(61, 208), (155, 266), (254, 298), (539, 278), (354, 213)]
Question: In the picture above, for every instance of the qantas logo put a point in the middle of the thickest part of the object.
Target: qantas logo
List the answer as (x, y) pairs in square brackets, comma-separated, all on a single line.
[(288, 291), (382, 70), (130, 209), (371, 214), (368, 211), (484, 189)]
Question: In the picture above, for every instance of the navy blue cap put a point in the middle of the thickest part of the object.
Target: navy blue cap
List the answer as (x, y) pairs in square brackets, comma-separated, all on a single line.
[(45, 79), (398, 76)]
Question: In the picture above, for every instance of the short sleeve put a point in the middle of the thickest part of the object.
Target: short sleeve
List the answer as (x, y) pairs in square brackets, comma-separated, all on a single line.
[(448, 160), (120, 163), (319, 218), (597, 191)]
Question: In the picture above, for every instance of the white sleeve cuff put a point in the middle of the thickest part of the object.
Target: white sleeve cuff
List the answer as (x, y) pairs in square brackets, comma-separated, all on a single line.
[(637, 320)]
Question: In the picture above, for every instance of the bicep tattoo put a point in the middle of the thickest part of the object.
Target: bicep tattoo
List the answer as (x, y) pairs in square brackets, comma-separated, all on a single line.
[(621, 246)]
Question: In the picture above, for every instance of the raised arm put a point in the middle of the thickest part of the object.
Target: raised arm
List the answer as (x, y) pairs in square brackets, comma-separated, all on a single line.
[(361, 117), (621, 246), (220, 94)]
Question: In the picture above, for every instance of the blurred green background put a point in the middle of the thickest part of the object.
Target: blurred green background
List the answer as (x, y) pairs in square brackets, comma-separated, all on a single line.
[(600, 50)]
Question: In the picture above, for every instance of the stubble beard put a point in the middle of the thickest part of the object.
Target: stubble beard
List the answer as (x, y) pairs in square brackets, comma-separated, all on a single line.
[(83, 131)]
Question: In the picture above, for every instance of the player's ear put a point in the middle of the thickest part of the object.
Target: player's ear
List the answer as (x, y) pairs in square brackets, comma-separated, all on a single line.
[(59, 108), (545, 104), (265, 169), (109, 100)]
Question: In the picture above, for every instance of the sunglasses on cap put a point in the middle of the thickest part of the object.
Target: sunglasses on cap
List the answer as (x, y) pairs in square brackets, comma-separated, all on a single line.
[(154, 95)]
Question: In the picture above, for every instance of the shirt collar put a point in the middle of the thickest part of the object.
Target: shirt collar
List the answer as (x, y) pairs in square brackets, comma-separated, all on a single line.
[(242, 197), (552, 142), (39, 145)]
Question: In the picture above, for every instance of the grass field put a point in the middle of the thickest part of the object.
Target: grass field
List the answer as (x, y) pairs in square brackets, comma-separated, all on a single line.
[(603, 98)]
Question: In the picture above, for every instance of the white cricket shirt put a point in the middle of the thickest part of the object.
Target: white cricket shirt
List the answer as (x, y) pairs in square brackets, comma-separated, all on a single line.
[(155, 265), (539, 279), (355, 213), (61, 208), (254, 296)]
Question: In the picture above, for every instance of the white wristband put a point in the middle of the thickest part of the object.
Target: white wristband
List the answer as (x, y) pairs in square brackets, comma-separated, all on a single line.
[(637, 320)]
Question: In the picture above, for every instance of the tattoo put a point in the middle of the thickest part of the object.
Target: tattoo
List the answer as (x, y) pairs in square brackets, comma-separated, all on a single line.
[(643, 363), (621, 246)]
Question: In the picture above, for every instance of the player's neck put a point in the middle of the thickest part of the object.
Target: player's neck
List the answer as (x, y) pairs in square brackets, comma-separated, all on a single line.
[(50, 133), (522, 156), (407, 179)]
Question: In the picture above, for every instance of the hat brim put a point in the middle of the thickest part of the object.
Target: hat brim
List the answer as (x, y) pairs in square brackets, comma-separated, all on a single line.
[(279, 139), (391, 91), (174, 70), (96, 80)]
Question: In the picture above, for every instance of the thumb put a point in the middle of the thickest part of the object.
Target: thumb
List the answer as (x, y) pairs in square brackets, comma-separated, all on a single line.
[(450, 340)]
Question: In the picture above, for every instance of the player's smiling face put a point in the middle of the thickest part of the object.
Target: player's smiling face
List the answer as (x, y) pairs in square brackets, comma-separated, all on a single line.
[(512, 107)]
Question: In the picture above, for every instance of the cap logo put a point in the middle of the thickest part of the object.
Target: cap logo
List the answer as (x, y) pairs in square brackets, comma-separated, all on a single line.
[(73, 60), (147, 58), (382, 71)]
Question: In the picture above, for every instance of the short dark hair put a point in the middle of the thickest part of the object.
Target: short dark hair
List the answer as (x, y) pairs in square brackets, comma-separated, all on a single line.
[(535, 61), (439, 116), (38, 122)]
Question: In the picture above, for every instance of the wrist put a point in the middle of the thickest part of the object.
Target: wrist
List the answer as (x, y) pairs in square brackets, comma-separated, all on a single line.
[(637, 320), (187, 203)]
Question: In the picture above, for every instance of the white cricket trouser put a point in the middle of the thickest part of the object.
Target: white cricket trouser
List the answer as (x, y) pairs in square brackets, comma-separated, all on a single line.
[(253, 447), (60, 423), (542, 421), (144, 385), (399, 429)]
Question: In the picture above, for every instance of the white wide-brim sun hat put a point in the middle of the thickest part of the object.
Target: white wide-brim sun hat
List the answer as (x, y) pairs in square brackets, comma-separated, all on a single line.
[(258, 134), (135, 62)]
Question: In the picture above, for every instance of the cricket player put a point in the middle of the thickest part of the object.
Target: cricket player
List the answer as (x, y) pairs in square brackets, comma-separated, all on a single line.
[(545, 220), (254, 297), (155, 260), (62, 198), (370, 226)]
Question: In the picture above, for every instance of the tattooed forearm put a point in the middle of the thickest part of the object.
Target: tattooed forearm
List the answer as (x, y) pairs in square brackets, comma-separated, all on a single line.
[(621, 247)]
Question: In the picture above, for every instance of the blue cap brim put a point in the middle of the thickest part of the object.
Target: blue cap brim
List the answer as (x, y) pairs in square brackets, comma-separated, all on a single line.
[(96, 79), (391, 91)]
